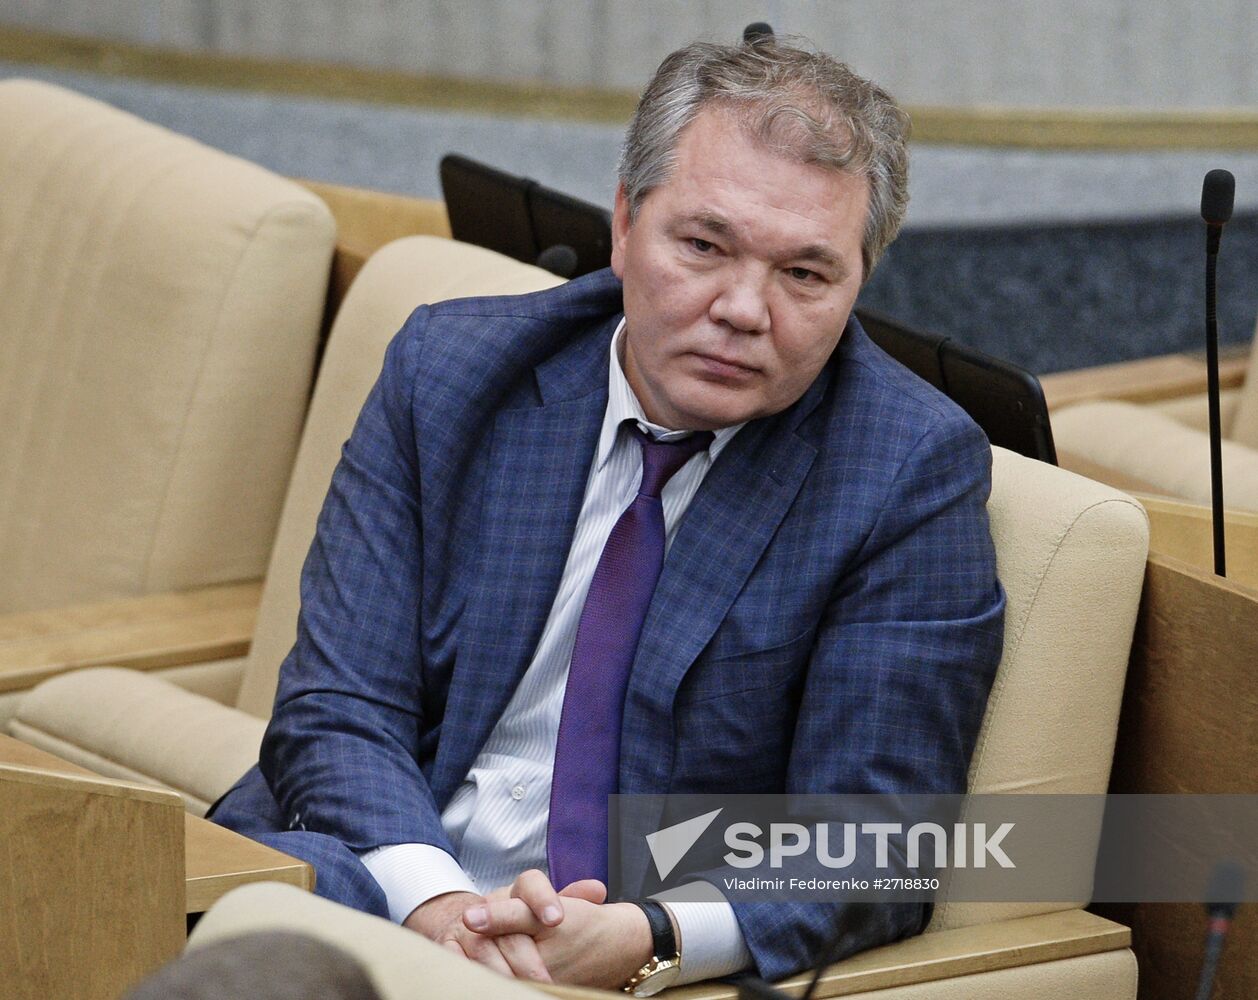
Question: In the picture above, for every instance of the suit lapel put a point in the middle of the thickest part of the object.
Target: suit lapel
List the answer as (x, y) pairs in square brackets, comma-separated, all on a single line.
[(539, 462)]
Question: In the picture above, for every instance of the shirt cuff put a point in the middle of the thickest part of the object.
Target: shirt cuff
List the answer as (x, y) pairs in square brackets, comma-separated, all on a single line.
[(412, 874), (710, 940)]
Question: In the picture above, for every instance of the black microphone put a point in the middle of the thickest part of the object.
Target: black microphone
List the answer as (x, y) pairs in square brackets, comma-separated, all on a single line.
[(1227, 884), (1218, 191), (757, 31)]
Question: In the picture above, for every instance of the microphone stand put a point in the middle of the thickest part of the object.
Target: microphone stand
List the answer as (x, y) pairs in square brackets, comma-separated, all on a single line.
[(754, 988), (1224, 892), (1212, 388), (1218, 191)]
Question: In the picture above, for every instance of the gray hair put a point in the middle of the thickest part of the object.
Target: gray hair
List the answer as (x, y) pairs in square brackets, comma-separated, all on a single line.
[(800, 103)]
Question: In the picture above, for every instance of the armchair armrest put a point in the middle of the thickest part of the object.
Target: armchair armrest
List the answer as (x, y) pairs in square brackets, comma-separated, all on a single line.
[(400, 962), (1138, 448), (1194, 410), (143, 633), (1007, 944), (127, 725)]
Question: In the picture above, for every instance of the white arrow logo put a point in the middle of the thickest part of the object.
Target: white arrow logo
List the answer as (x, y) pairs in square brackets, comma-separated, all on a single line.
[(669, 846)]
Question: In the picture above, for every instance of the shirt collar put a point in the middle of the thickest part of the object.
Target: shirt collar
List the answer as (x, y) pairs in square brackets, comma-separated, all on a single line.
[(622, 405)]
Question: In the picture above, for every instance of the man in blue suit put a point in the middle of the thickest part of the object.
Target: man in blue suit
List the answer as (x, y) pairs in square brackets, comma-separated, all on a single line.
[(677, 527)]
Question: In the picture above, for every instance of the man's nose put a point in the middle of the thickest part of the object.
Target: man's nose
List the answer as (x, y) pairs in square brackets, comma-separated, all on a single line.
[(742, 303)]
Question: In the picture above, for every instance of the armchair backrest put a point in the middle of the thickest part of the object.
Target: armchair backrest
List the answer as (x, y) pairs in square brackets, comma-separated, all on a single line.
[(160, 312), (399, 277), (1070, 553)]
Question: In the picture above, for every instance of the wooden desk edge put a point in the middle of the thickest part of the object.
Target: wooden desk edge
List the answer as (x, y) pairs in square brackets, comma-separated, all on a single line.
[(1079, 944), (142, 633), (203, 891), (1145, 380), (52, 777), (209, 848)]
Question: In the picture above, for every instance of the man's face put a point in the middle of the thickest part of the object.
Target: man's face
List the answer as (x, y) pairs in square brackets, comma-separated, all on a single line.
[(739, 272)]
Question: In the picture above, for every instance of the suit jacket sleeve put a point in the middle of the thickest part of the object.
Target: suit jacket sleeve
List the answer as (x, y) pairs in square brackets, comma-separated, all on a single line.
[(899, 676), (341, 749)]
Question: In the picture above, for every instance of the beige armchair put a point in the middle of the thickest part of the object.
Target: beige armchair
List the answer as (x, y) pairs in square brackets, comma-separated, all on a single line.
[(161, 312), (1071, 554), (1163, 447), (131, 725), (158, 328)]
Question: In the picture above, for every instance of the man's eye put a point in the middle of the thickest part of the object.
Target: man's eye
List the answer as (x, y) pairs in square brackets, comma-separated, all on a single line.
[(803, 274), (702, 246)]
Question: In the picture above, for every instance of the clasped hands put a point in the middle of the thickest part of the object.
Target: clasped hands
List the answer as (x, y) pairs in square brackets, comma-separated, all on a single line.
[(529, 930)]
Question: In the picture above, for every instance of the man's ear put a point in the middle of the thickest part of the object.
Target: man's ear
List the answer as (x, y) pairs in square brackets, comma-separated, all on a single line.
[(620, 231)]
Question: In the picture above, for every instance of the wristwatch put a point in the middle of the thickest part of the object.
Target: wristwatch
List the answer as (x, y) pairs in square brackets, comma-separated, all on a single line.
[(664, 968)]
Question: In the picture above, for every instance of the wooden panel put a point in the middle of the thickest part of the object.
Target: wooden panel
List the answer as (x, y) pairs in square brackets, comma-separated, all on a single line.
[(367, 220), (1190, 725), (930, 957), (92, 884), (219, 860), (1055, 129), (1146, 380), (144, 633), (216, 860), (1185, 531)]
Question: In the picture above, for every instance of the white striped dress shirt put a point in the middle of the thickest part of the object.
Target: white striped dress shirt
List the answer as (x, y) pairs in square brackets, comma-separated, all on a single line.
[(497, 819)]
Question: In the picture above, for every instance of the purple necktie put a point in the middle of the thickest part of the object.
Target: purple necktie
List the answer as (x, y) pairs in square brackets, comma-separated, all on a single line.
[(587, 752)]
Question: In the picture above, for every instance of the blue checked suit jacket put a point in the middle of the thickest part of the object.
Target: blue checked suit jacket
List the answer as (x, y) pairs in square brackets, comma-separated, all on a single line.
[(828, 618)]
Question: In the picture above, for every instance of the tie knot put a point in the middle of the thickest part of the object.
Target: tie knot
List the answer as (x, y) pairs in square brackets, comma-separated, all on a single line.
[(660, 459)]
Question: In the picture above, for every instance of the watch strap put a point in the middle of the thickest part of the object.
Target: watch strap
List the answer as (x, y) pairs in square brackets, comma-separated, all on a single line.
[(664, 967), (663, 938)]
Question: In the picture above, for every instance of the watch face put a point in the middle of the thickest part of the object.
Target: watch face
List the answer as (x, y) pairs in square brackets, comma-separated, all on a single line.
[(667, 973)]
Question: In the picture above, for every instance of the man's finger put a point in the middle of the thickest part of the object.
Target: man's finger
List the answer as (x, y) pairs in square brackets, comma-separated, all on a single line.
[(485, 951), (589, 889), (522, 955), (535, 889), (507, 916)]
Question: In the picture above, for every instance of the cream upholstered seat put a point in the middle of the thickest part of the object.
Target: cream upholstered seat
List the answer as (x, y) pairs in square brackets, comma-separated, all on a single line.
[(1166, 446), (159, 319), (128, 724)]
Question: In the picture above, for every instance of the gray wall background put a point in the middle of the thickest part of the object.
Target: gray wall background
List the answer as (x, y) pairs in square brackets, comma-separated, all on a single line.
[(1135, 54)]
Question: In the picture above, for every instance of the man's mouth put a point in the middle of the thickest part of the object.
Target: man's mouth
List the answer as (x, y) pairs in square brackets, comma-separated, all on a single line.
[(725, 368)]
